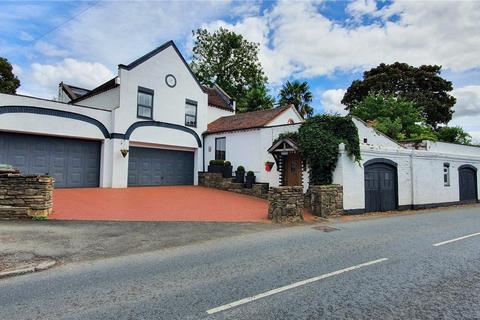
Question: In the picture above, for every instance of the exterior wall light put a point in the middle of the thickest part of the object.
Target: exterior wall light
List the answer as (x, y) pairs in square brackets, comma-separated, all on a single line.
[(124, 152)]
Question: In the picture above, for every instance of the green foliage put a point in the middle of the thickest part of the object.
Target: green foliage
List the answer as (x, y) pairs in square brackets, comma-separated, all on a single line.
[(423, 85), (230, 61), (227, 163), (8, 81), (318, 140), (217, 162), (298, 94), (453, 135), (250, 174), (240, 169), (256, 98), (398, 118), (39, 218), (287, 135)]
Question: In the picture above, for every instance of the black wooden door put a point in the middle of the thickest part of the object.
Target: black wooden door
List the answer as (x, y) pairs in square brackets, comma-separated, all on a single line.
[(467, 184), (380, 187)]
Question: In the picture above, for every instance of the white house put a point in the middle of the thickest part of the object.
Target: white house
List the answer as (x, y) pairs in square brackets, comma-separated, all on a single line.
[(390, 175), (154, 109)]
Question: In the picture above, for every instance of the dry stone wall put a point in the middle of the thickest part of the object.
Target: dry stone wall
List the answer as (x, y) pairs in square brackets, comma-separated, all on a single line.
[(25, 196), (286, 204), (215, 180), (325, 200)]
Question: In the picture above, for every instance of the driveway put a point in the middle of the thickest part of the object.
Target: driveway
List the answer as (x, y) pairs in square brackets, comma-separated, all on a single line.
[(166, 203)]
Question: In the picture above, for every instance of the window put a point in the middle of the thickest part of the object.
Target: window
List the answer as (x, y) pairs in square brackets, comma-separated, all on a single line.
[(190, 113), (220, 148), (145, 103), (446, 174)]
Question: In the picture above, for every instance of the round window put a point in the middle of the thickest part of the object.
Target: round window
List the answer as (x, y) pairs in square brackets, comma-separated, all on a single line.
[(170, 80)]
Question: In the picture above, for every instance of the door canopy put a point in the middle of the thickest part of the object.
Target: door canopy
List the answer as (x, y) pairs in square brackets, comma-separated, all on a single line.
[(282, 148)]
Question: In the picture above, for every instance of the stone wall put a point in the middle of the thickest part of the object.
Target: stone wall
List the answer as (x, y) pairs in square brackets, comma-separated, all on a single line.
[(286, 204), (215, 180), (25, 196), (324, 201)]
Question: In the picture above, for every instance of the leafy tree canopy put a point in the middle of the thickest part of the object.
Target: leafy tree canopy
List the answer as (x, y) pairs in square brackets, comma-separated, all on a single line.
[(298, 94), (454, 135), (8, 81), (230, 61), (423, 85), (398, 118), (256, 98)]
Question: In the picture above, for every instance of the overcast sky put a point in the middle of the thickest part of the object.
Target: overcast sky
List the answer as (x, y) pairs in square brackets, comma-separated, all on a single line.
[(328, 44)]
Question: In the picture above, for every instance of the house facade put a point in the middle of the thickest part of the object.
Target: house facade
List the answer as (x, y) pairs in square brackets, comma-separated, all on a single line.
[(143, 127)]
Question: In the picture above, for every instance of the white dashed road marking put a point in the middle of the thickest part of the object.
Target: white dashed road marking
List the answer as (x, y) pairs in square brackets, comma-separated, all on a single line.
[(457, 239), (291, 286)]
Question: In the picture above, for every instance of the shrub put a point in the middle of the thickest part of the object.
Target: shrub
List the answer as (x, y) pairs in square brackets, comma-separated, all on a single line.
[(240, 169), (250, 173), (216, 162), (227, 163)]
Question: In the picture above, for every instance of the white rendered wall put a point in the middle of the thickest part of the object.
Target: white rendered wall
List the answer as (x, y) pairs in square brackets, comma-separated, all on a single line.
[(285, 116), (214, 113), (107, 100)]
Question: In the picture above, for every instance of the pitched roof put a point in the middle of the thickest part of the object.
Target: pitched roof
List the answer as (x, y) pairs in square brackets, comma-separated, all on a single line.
[(110, 84), (243, 121), (154, 52), (218, 98), (73, 92)]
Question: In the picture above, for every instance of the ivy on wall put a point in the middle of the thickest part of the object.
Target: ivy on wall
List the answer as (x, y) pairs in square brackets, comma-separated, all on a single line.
[(318, 139)]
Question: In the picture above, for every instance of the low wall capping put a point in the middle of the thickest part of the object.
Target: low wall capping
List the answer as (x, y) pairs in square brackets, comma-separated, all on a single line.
[(23, 197)]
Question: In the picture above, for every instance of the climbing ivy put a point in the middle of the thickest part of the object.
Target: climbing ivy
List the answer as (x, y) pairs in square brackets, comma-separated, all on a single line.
[(318, 139)]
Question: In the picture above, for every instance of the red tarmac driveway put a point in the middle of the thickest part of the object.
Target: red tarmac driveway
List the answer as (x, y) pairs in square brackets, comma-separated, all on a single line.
[(166, 203)]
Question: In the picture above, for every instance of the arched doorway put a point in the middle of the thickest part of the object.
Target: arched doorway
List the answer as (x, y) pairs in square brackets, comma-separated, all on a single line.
[(381, 191), (467, 176)]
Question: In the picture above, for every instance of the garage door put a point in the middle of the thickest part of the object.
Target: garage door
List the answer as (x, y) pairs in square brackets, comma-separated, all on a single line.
[(155, 167), (380, 187), (72, 162), (468, 184)]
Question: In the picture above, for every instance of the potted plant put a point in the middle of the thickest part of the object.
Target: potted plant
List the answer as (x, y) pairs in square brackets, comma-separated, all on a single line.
[(249, 179), (227, 169), (240, 174), (216, 166)]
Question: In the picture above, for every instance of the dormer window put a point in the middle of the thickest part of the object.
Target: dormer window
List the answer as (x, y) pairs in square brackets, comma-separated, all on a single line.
[(145, 103)]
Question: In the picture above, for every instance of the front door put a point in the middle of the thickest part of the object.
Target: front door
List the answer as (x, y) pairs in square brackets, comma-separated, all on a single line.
[(293, 170), (468, 184), (380, 187)]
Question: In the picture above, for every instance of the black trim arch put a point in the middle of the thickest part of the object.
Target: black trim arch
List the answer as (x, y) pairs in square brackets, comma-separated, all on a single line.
[(56, 113), (468, 166), (381, 160), (139, 124)]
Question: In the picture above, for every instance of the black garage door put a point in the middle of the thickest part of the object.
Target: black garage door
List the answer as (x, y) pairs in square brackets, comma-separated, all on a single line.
[(155, 167), (467, 184), (72, 162), (380, 187)]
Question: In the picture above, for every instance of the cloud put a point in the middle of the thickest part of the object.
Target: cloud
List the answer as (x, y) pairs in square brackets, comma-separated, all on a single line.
[(50, 50), (25, 36), (468, 101), (76, 72), (330, 101), (17, 70)]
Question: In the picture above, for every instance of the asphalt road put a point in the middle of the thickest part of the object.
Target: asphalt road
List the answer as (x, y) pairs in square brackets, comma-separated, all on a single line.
[(384, 268)]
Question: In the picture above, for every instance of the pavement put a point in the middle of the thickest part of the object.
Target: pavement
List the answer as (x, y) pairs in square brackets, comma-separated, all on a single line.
[(393, 268), (162, 203)]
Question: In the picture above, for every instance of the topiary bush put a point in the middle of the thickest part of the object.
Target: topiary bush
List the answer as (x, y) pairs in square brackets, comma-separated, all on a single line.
[(216, 162), (240, 169), (227, 163), (250, 173)]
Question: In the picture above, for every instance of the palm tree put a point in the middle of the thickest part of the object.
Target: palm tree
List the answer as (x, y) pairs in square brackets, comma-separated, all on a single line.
[(298, 94), (256, 98)]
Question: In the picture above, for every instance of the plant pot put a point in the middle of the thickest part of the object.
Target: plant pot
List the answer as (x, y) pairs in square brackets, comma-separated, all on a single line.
[(227, 171), (216, 168), (249, 181), (240, 176)]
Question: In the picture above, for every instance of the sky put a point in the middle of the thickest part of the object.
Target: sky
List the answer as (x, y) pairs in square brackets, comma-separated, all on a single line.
[(326, 43)]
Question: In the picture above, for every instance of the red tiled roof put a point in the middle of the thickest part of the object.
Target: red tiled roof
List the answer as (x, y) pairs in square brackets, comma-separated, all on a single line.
[(242, 121), (216, 99)]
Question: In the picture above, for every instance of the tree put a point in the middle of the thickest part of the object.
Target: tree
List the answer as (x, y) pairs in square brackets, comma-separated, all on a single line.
[(454, 135), (8, 81), (398, 118), (298, 94), (423, 85), (228, 60), (256, 98)]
